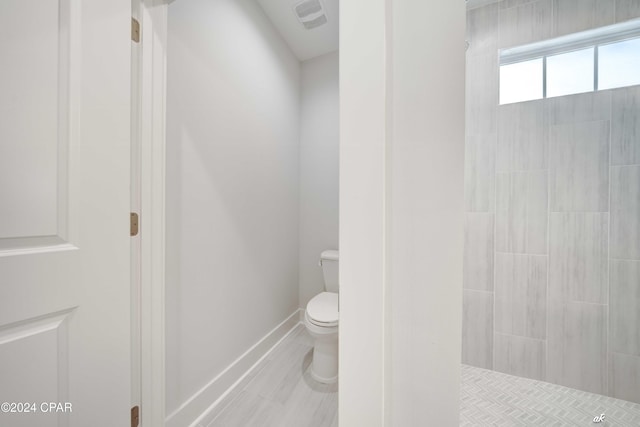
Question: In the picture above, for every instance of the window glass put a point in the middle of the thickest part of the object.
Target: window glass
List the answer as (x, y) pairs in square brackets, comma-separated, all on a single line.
[(521, 81), (619, 64), (570, 72)]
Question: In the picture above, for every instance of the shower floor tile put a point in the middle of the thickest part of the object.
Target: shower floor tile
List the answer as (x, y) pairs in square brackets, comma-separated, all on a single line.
[(490, 398)]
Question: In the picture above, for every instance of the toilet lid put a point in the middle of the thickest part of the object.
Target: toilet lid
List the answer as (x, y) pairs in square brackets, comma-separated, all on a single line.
[(323, 309)]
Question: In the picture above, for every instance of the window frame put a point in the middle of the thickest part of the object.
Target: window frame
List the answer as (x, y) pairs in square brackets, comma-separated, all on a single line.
[(595, 38)]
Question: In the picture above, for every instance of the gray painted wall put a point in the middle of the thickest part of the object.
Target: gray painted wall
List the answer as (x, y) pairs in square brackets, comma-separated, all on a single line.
[(319, 147), (233, 102), (552, 195)]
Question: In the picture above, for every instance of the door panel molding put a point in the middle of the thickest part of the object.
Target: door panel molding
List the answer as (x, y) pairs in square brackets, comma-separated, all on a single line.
[(34, 359), (54, 233)]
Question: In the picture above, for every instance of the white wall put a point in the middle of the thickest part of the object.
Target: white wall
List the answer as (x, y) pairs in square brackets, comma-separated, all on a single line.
[(362, 218), (319, 145), (425, 206), (401, 211), (232, 188)]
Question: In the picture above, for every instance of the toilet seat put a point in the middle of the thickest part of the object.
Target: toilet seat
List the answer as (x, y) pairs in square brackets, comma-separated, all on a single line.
[(322, 310)]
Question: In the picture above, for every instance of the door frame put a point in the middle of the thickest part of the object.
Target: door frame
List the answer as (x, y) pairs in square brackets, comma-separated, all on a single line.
[(151, 134), (357, 245)]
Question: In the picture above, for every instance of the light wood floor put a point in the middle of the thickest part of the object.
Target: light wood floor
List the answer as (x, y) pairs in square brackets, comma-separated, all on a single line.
[(280, 392)]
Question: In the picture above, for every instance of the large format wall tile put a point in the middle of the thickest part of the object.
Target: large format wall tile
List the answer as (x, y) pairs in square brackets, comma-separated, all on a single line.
[(559, 299), (624, 377), (478, 251), (526, 23), (584, 107), (524, 357), (571, 16), (579, 167), (577, 346), (481, 29), (521, 212), (578, 258), (479, 174), (481, 93), (522, 137), (625, 212), (625, 126), (477, 328), (624, 307), (627, 9), (521, 295), (537, 212), (511, 211)]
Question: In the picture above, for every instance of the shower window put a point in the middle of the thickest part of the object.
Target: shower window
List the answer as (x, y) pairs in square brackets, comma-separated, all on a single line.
[(521, 81), (619, 64), (604, 58), (570, 72)]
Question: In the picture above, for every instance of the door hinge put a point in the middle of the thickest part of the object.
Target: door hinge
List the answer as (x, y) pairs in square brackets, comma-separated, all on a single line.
[(135, 30), (134, 224), (135, 416)]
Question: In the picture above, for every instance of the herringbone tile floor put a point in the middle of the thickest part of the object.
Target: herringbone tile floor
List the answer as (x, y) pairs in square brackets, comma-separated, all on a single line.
[(490, 398)]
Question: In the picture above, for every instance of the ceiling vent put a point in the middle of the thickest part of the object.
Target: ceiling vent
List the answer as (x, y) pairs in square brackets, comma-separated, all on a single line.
[(310, 13)]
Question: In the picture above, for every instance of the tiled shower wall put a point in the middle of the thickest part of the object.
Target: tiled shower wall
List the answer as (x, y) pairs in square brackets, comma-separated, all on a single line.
[(552, 193)]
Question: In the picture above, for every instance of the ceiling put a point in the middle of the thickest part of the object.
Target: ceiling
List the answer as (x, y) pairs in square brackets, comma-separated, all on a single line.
[(305, 44)]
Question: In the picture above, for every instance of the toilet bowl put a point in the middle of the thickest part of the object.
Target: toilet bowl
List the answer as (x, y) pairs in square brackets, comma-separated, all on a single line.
[(321, 321)]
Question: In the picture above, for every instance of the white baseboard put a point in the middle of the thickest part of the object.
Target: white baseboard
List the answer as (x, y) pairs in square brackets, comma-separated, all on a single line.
[(197, 408)]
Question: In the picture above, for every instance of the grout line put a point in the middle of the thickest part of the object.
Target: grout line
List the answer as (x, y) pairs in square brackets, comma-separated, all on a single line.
[(520, 336), (504, 172), (626, 354), (520, 253), (546, 123), (607, 329), (479, 290), (633, 165), (578, 212), (495, 220), (575, 301)]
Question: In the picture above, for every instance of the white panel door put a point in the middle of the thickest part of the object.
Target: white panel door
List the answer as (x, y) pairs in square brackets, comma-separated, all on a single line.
[(64, 213)]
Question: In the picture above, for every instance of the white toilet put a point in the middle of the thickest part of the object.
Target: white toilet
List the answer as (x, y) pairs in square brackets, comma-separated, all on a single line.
[(321, 320)]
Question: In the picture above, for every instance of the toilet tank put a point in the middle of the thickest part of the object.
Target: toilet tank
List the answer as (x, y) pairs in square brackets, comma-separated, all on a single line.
[(329, 263)]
